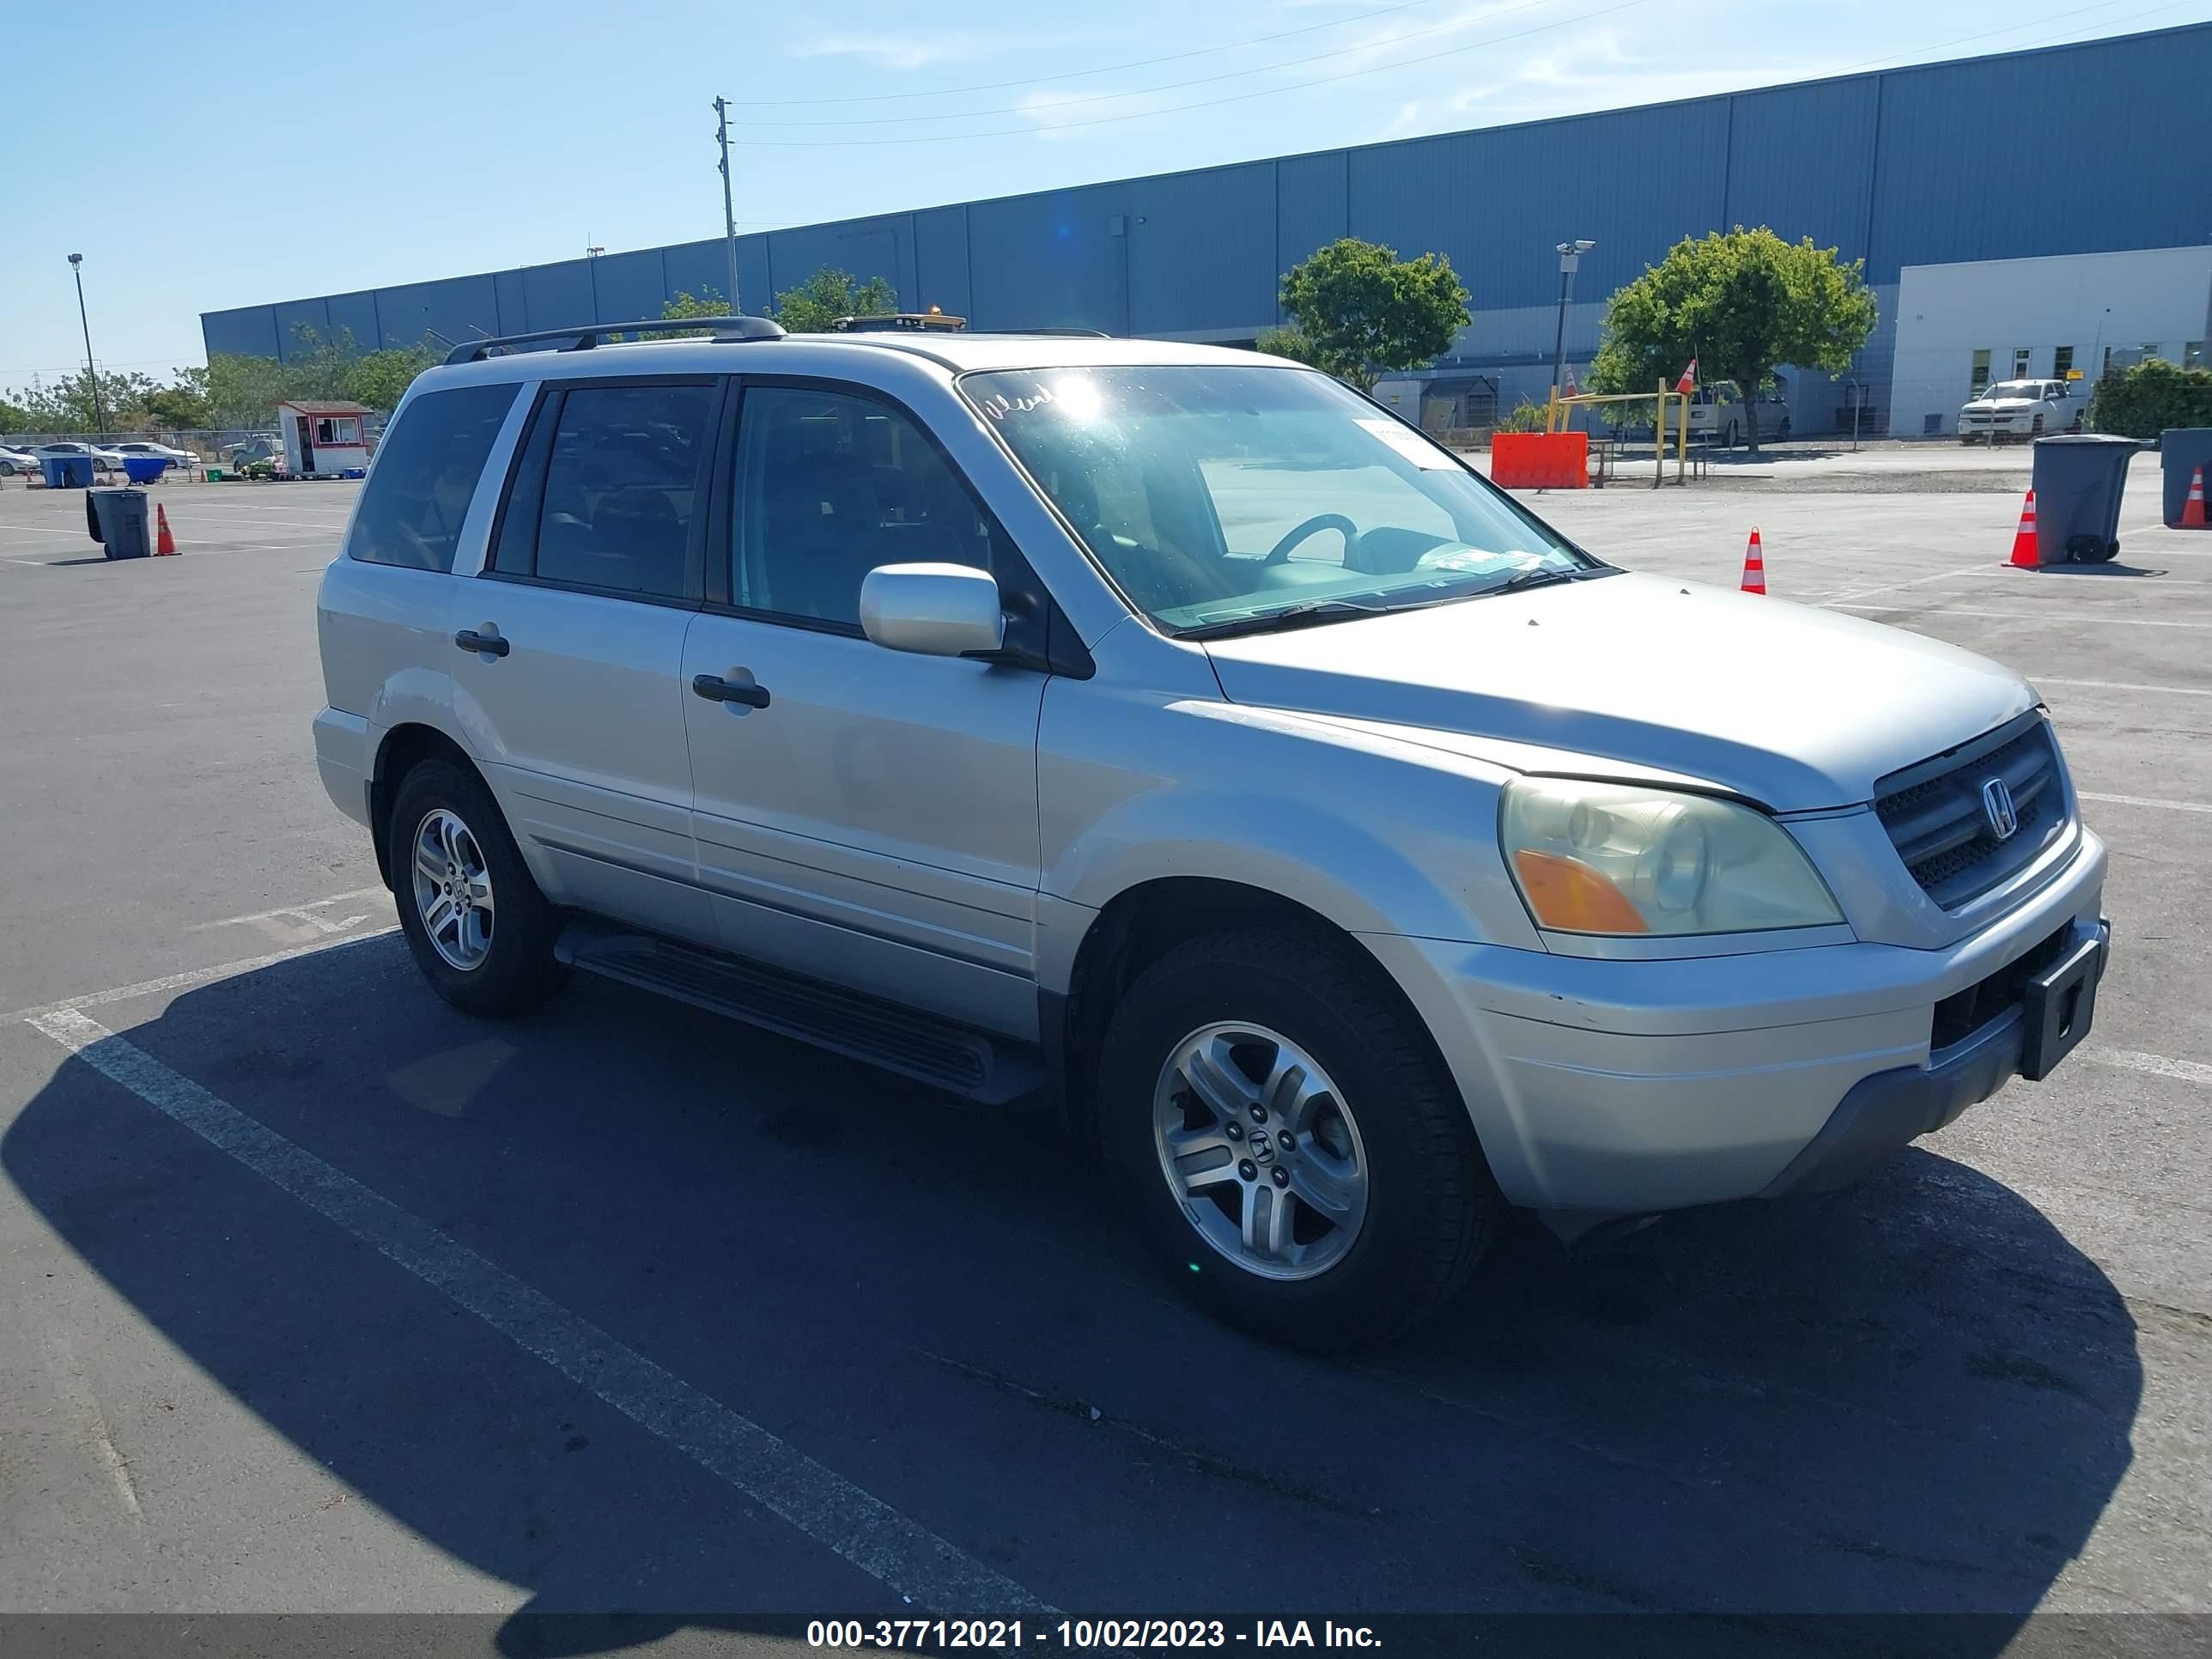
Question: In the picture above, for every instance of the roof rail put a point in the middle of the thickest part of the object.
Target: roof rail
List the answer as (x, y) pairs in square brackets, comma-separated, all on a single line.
[(1062, 333), (726, 330)]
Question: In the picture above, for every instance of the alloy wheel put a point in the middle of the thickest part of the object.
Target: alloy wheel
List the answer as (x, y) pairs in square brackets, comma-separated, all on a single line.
[(1261, 1150), (452, 889)]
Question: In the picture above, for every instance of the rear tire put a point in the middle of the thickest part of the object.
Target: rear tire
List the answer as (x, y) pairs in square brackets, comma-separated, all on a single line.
[(1384, 1137), (482, 932)]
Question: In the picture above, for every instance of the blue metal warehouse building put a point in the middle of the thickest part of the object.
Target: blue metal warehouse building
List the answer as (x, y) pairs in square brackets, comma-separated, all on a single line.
[(1932, 165)]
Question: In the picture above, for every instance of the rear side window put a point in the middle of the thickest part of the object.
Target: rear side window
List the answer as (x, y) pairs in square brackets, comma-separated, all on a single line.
[(426, 472), (624, 481)]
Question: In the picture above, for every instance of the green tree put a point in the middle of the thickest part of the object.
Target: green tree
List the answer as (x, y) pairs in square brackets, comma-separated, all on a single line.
[(182, 402), (1362, 310), (830, 294), (380, 379), (707, 302), (1738, 303), (243, 390), (2142, 402), (1288, 340), (14, 417)]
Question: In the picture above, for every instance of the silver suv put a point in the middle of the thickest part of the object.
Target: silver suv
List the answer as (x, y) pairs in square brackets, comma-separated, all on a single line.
[(1171, 733)]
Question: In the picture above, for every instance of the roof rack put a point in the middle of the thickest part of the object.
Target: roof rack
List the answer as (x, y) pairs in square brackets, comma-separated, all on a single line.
[(727, 330), (1060, 333)]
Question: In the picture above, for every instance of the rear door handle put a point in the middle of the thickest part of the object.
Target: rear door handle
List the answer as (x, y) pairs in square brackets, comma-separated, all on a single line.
[(715, 689), (469, 640)]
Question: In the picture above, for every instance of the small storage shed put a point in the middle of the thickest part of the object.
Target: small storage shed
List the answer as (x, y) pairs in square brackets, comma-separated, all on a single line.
[(321, 439)]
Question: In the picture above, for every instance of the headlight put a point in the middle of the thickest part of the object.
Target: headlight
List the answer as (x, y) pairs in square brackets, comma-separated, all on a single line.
[(1601, 858)]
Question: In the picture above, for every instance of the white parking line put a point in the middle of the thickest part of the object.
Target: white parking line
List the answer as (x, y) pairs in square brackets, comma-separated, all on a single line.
[(1887, 587), (2122, 685), (2147, 800), (295, 924), (816, 1501), (185, 981), (2189, 1071), (2073, 615)]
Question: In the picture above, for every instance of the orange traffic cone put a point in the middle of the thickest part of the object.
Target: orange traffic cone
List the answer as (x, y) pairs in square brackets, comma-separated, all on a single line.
[(2192, 510), (2024, 553), (1754, 566), (163, 541)]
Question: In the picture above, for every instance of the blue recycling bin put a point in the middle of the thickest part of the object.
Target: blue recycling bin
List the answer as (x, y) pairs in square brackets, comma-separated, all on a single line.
[(67, 471), (144, 469)]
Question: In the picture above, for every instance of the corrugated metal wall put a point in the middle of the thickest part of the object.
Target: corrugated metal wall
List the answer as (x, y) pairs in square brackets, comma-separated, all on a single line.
[(1987, 158)]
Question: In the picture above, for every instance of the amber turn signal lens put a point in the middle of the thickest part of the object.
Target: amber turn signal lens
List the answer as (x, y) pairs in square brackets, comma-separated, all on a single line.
[(1568, 896)]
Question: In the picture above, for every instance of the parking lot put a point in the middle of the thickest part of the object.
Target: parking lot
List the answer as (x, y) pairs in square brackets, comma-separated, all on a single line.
[(319, 1297)]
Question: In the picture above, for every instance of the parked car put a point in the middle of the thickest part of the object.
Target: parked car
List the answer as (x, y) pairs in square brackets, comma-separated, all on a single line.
[(14, 461), (103, 460), (2020, 409), (1176, 736), (1717, 414), (148, 448)]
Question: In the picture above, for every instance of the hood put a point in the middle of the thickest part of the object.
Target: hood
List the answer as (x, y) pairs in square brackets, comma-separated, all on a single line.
[(1791, 707), (2003, 405)]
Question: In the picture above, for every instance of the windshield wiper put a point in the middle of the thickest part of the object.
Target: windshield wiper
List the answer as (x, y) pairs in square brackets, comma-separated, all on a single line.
[(1539, 575), (1306, 615)]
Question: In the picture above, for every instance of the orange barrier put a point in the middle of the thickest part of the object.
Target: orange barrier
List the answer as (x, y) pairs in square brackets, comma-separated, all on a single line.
[(1540, 460)]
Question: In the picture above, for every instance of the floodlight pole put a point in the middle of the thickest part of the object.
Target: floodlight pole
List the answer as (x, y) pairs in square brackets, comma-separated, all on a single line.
[(729, 213), (1570, 255), (91, 373)]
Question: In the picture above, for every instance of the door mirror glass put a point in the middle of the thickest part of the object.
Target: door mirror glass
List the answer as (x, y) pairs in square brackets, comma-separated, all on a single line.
[(932, 610)]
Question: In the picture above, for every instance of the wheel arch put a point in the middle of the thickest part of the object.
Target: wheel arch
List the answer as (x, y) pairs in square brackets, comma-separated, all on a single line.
[(404, 747), (1137, 927)]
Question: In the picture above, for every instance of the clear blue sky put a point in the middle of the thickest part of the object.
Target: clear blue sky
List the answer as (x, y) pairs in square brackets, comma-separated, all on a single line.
[(200, 161)]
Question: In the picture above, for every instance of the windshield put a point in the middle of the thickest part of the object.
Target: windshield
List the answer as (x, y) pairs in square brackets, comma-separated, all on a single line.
[(2016, 389), (1215, 495)]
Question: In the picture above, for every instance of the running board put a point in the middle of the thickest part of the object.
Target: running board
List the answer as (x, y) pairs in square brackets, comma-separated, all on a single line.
[(932, 1051)]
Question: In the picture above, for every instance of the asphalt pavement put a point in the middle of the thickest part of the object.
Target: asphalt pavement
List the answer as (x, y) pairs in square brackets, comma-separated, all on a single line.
[(317, 1297)]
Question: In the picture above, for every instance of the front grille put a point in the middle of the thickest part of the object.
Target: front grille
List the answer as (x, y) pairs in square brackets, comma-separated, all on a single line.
[(1935, 815)]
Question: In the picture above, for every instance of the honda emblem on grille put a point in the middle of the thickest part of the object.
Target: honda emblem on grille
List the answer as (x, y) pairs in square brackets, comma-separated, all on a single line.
[(1997, 808)]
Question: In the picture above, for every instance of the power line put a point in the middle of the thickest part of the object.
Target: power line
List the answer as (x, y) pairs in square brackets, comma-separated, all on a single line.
[(1076, 75), (1170, 85), (2010, 28), (1172, 109)]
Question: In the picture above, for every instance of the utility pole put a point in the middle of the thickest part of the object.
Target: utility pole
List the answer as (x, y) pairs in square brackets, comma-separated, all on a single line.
[(729, 213), (91, 373)]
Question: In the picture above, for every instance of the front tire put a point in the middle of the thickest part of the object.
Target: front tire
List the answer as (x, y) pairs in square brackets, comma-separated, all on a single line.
[(1362, 1221), (482, 932)]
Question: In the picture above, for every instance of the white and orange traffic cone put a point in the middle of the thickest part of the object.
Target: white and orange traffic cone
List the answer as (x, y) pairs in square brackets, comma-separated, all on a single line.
[(164, 543), (1754, 565), (2024, 552), (2192, 510)]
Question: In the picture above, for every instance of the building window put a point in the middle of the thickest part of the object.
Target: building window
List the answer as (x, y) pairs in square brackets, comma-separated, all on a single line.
[(2061, 362), (2020, 363), (1981, 371), (341, 429)]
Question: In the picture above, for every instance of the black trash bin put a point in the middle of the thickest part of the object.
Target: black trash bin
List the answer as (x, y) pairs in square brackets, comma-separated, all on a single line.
[(2078, 481), (2183, 449), (117, 520)]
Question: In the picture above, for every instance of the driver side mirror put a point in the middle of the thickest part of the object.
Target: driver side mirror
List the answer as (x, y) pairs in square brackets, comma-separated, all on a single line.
[(932, 610)]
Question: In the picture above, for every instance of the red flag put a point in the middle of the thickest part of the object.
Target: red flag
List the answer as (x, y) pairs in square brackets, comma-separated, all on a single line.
[(1688, 383)]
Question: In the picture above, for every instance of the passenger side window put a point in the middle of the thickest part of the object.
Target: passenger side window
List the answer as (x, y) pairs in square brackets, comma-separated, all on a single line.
[(831, 486), (426, 472), (624, 478)]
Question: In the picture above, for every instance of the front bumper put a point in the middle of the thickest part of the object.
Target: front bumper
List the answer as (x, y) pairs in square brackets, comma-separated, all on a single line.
[(1613, 1087)]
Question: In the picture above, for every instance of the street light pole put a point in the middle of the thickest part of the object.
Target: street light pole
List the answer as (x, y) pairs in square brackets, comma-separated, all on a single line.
[(91, 373), (1570, 255), (729, 213)]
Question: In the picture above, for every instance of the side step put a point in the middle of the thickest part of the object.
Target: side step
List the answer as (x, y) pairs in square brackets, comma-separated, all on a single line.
[(945, 1056)]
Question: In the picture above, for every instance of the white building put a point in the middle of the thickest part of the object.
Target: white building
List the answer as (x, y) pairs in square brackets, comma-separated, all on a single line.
[(1963, 326), (322, 439)]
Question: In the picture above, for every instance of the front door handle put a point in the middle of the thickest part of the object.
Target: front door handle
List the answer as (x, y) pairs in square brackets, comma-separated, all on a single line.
[(469, 640), (715, 689)]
